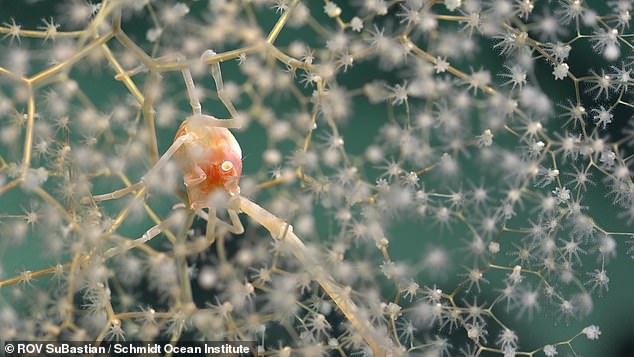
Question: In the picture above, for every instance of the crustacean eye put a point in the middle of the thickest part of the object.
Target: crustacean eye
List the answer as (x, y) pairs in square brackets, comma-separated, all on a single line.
[(226, 166)]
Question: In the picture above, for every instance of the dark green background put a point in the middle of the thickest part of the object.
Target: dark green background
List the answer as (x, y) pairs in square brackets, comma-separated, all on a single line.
[(614, 312)]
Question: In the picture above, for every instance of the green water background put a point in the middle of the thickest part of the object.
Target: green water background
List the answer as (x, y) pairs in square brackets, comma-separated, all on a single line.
[(614, 312)]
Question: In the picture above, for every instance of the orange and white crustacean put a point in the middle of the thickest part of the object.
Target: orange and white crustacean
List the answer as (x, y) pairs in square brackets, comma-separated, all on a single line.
[(211, 159), (209, 156)]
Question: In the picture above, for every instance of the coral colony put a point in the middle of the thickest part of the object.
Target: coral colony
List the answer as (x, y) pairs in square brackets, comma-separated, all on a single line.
[(351, 178)]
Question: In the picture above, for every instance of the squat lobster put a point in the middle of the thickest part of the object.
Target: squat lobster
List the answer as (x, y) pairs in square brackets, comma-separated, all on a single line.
[(207, 153)]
